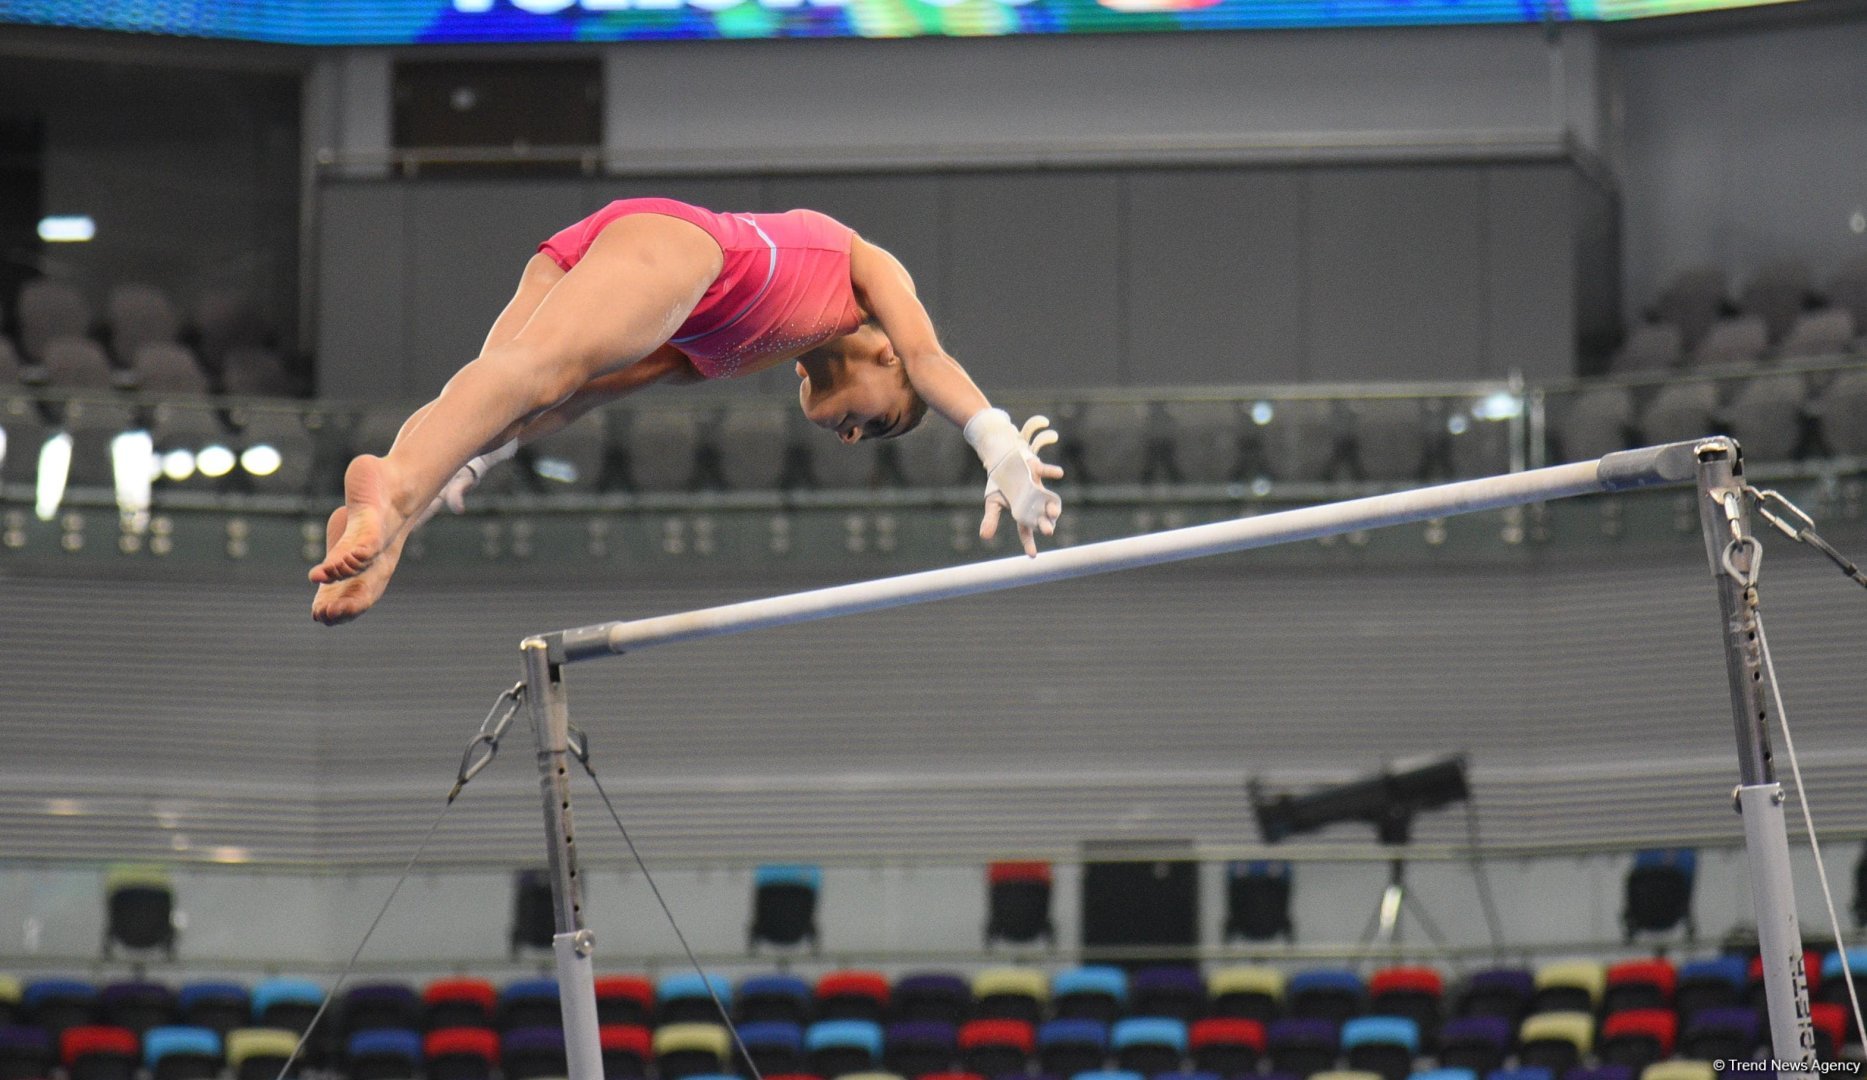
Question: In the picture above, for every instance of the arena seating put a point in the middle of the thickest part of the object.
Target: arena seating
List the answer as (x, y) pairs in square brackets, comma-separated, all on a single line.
[(1705, 357), (1648, 1019)]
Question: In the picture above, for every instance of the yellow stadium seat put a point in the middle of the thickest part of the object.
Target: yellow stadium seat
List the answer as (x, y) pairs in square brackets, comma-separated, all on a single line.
[(692, 1038)]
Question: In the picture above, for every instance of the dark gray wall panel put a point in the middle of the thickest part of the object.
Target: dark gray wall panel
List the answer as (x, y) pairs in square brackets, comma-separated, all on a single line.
[(363, 287), (468, 243), (1395, 273), (1213, 274), (1528, 270), (1741, 148), (799, 101), (1032, 285)]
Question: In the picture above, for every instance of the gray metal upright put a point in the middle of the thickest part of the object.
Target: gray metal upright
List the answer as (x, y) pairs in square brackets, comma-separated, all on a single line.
[(1734, 555), (573, 945)]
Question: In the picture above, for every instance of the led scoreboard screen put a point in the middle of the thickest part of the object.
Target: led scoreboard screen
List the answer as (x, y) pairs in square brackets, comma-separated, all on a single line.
[(386, 22)]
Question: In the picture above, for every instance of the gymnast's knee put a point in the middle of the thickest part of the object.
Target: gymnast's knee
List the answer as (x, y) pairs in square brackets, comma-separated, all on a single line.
[(546, 376)]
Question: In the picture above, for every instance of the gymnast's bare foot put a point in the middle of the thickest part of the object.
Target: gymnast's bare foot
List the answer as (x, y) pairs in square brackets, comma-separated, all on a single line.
[(341, 601), (373, 523)]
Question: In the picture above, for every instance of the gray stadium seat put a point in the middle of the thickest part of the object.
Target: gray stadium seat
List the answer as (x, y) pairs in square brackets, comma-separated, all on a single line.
[(1682, 410), (1205, 439), (285, 432), (1766, 416), (1390, 438), (1482, 449), (92, 425), (227, 320), (50, 309), (935, 455), (10, 366), (662, 444), (77, 363), (375, 428), (1650, 347), (1848, 290), (1776, 294), (838, 467), (139, 315), (1827, 332), (1114, 439), (1692, 302), (1737, 342), (255, 371), (1594, 422), (1842, 409), (26, 430), (571, 459), (166, 367), (1319, 442), (752, 437)]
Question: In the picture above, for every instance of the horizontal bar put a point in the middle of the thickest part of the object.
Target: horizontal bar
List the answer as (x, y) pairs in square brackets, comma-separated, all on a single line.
[(1673, 463)]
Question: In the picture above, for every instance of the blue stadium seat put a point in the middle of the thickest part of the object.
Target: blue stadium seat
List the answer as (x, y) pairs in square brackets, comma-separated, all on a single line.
[(775, 1047), (217, 1006), (1381, 1044), (529, 1003), (773, 997), (683, 998), (1091, 993), (1325, 994), (383, 1054), (1072, 1045), (181, 1053), (1149, 1044), (836, 1047)]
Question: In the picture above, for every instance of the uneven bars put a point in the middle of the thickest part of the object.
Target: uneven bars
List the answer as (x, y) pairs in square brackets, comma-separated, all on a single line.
[(1646, 467)]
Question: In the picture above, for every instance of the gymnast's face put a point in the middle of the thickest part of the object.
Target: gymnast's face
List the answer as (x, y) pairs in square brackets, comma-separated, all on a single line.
[(856, 387)]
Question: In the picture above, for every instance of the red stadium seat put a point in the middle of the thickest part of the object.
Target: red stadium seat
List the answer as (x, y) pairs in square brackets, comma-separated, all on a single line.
[(624, 999), (459, 1003), (1638, 1037), (997, 1047), (852, 995), (627, 1050), (1226, 1046), (1639, 984), (460, 1053)]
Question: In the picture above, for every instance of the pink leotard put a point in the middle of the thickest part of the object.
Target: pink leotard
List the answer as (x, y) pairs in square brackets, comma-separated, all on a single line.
[(783, 285)]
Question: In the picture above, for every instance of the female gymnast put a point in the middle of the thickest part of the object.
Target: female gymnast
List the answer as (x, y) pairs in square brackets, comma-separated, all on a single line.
[(650, 291)]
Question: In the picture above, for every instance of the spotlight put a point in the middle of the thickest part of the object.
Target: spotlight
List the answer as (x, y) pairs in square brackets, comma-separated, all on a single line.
[(260, 460), (67, 228), (214, 461), (1386, 800), (2, 445), (133, 459), (1262, 413), (54, 469), (558, 469), (178, 465), (1502, 405)]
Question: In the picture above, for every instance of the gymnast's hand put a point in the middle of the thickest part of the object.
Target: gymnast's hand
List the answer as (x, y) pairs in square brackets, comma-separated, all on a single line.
[(1015, 475), (454, 493)]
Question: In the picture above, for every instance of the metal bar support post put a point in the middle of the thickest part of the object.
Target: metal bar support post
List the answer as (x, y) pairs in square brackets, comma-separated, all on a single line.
[(1734, 554), (572, 944)]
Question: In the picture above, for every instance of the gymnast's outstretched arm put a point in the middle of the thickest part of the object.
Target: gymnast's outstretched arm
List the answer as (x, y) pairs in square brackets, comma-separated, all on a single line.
[(1015, 475)]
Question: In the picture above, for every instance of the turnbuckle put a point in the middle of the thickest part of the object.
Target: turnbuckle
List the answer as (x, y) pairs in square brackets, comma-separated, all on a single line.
[(484, 747)]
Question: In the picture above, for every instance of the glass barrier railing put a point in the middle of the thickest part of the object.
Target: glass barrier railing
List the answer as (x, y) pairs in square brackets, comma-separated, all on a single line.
[(1224, 443)]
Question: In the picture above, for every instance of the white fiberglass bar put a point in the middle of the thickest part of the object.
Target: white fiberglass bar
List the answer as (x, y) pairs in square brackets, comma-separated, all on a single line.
[(1673, 463)]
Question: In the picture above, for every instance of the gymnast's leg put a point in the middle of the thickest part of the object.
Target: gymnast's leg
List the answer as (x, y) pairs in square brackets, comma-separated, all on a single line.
[(341, 601), (639, 281)]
